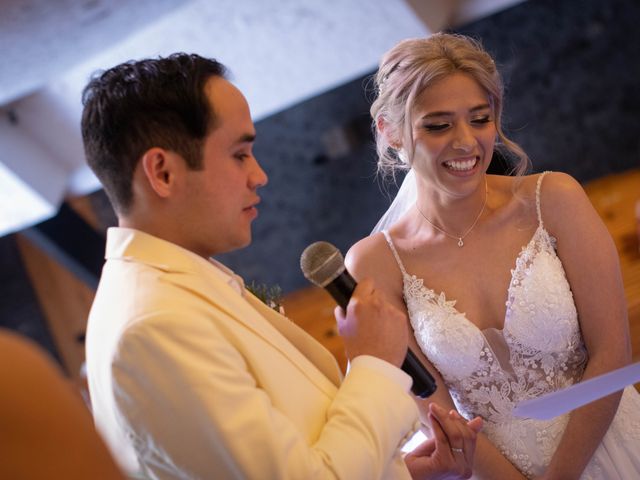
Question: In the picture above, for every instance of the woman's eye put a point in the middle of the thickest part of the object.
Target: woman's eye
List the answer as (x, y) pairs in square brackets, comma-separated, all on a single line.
[(436, 127), (241, 156), (481, 120)]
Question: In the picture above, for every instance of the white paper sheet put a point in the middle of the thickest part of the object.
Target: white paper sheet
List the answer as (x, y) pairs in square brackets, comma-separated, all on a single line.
[(556, 403)]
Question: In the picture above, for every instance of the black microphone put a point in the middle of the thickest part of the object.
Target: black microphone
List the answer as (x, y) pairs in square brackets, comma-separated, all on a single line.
[(323, 265)]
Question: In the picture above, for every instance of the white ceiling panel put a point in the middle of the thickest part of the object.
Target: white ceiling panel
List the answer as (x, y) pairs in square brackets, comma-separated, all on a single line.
[(41, 39)]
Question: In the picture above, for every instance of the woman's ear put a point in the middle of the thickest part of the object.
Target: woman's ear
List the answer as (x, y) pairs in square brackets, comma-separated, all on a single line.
[(380, 124), (159, 170), (386, 131)]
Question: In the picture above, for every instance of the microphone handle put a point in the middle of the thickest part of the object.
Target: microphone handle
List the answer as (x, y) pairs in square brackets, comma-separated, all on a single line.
[(424, 385), (341, 288)]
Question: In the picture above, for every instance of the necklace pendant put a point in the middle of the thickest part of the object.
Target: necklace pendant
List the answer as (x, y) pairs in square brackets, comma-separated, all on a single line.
[(460, 242)]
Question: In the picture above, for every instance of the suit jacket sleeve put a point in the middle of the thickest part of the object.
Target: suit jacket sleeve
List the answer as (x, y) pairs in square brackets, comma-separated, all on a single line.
[(195, 407)]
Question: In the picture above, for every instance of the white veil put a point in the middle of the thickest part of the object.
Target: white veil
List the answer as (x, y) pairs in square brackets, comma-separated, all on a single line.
[(405, 199)]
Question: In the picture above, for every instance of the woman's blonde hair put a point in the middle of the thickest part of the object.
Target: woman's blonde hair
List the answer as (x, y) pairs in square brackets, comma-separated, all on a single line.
[(415, 64)]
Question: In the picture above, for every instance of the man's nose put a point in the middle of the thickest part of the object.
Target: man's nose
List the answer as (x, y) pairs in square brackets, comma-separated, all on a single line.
[(258, 177)]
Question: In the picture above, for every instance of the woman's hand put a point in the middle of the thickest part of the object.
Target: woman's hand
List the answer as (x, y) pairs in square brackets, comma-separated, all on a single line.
[(450, 453)]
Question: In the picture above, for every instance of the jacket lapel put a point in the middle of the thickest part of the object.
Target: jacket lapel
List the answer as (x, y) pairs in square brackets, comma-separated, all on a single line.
[(201, 278), (304, 342), (313, 360)]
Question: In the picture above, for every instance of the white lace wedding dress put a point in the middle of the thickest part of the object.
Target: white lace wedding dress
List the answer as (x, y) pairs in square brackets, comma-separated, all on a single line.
[(539, 350)]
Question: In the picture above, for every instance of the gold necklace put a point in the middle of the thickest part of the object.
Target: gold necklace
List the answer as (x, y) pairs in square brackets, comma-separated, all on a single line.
[(455, 237)]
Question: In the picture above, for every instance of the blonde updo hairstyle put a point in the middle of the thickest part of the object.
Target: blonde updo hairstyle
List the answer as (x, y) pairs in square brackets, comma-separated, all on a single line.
[(415, 64)]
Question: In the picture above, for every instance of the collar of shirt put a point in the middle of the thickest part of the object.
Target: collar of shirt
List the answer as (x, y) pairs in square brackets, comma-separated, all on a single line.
[(234, 280)]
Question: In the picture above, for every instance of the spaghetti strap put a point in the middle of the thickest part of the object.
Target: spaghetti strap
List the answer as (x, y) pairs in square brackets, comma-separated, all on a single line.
[(538, 185), (394, 251)]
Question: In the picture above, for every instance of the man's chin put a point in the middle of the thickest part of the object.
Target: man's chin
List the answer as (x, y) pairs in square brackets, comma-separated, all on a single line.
[(238, 244), (246, 243)]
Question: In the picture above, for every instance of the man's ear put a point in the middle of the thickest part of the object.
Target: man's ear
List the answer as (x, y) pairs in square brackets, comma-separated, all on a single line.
[(158, 166)]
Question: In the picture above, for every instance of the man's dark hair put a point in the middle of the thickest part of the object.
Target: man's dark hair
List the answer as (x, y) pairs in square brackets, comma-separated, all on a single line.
[(139, 105)]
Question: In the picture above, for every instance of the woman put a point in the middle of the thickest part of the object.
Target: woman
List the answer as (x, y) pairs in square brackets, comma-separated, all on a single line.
[(532, 298)]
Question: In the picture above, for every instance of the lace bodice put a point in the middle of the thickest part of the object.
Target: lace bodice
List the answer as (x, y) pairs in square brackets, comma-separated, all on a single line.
[(487, 372), (539, 350)]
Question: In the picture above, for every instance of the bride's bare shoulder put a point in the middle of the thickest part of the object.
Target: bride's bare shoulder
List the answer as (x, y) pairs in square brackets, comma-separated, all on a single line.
[(518, 192), (370, 256), (522, 185), (364, 250)]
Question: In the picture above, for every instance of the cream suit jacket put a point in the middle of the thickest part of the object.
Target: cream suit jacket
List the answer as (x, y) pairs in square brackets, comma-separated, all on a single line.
[(188, 379)]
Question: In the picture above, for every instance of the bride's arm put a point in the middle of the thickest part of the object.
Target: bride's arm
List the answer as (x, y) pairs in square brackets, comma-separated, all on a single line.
[(591, 263), (372, 259)]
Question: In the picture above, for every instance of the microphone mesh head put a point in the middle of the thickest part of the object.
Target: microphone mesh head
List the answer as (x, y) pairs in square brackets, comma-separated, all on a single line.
[(321, 263)]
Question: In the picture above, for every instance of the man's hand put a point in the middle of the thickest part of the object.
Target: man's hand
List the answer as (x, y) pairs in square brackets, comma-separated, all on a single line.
[(449, 455), (373, 326)]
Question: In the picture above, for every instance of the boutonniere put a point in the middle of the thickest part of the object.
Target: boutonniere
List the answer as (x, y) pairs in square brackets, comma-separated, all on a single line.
[(271, 296)]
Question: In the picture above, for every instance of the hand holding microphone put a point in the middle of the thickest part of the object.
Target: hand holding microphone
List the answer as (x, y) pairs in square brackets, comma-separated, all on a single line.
[(369, 325)]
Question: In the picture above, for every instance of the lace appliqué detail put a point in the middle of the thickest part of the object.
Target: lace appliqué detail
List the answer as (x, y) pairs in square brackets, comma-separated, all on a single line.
[(541, 323), (540, 350), (449, 330)]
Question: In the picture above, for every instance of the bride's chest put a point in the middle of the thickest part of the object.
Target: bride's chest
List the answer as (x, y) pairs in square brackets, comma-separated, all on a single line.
[(538, 317), (477, 277)]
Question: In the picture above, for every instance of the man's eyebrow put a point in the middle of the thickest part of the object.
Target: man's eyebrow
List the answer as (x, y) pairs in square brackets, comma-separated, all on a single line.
[(245, 138)]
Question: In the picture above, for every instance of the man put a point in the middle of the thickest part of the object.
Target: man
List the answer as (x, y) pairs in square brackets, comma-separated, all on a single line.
[(190, 375)]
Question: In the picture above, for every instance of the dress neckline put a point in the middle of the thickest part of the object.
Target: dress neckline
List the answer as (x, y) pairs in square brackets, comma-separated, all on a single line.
[(441, 299)]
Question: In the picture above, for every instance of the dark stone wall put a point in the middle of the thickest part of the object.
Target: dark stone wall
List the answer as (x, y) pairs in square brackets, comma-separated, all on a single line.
[(572, 75)]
